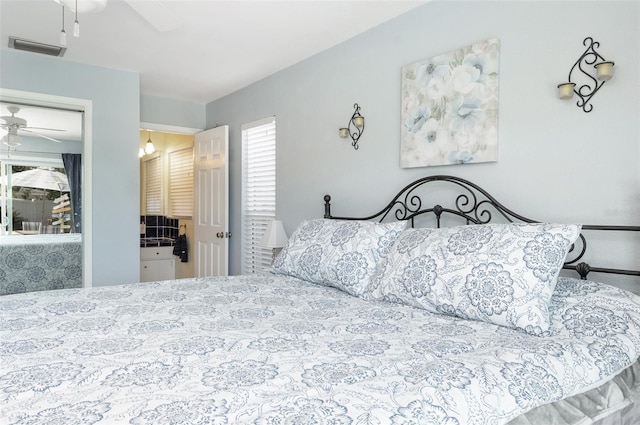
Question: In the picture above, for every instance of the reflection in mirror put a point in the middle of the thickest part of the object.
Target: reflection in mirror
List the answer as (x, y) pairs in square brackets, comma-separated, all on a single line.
[(40, 205)]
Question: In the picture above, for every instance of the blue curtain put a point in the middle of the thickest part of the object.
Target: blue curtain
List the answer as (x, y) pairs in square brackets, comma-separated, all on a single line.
[(73, 167)]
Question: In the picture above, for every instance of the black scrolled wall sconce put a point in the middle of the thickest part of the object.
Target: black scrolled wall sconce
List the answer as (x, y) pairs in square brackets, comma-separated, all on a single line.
[(590, 84), (355, 128)]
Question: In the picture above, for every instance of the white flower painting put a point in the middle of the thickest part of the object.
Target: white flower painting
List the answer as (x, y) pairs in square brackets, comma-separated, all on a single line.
[(450, 107)]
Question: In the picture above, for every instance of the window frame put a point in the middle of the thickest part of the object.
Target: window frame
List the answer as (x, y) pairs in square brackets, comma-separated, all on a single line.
[(25, 159), (258, 196)]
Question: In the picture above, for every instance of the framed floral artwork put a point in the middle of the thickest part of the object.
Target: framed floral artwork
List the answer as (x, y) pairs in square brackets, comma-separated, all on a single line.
[(450, 107)]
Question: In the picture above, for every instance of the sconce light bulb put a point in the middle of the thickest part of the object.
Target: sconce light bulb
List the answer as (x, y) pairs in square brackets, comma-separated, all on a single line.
[(140, 153)]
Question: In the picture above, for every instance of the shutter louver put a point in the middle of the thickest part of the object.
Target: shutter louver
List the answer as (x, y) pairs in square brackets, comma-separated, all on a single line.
[(259, 192), (153, 185), (181, 182)]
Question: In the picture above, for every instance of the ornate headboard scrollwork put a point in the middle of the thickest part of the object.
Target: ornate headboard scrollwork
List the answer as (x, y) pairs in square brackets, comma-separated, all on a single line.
[(475, 206)]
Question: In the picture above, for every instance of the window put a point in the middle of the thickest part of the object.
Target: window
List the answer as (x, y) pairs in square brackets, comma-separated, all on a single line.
[(153, 185), (181, 182), (258, 191), (29, 187)]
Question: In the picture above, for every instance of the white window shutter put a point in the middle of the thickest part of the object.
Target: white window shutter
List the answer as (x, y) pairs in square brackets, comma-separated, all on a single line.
[(181, 182), (258, 192), (153, 185)]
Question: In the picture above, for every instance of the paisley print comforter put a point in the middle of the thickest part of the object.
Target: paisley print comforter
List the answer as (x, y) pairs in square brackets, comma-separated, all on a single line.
[(272, 350)]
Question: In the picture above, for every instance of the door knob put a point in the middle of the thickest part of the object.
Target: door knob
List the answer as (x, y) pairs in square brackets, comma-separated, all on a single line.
[(220, 235)]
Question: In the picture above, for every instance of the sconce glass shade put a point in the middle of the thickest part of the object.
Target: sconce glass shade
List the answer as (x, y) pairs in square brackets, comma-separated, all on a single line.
[(565, 90), (344, 133), (358, 122), (604, 70), (141, 153), (274, 236)]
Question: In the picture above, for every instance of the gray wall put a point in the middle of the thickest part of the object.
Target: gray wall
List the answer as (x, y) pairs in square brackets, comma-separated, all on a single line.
[(172, 112), (556, 162), (116, 119)]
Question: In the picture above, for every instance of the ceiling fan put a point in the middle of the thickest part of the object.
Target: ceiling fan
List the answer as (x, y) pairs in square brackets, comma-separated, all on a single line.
[(15, 125), (155, 12)]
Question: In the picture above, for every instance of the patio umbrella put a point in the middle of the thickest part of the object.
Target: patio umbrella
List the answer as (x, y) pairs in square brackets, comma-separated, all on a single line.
[(44, 178), (41, 178)]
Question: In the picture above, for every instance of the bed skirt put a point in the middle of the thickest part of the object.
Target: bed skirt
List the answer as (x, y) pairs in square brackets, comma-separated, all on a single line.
[(616, 402)]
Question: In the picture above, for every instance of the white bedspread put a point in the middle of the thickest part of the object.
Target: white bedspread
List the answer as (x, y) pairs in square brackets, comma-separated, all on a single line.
[(276, 350)]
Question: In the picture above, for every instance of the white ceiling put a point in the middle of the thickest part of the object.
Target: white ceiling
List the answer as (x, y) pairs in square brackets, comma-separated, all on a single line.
[(217, 48)]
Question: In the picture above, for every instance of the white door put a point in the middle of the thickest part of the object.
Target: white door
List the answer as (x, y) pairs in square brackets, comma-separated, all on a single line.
[(211, 220)]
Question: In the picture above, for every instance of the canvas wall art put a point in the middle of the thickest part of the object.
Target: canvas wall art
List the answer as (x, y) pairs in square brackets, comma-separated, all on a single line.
[(450, 107)]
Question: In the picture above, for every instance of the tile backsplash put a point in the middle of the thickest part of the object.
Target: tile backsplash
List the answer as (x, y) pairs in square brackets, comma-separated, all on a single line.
[(159, 226)]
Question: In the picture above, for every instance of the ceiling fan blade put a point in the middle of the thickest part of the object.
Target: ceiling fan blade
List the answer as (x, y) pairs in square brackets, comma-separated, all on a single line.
[(11, 120), (41, 135), (157, 14), (43, 128)]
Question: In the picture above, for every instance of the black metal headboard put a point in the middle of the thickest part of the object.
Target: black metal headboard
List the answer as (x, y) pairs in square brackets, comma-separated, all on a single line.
[(476, 206)]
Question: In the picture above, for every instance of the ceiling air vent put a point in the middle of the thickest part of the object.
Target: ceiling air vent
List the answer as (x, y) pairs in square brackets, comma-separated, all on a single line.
[(35, 47)]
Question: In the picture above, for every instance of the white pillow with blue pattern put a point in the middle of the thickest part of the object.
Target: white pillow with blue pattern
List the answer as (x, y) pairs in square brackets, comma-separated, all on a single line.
[(339, 253), (499, 273)]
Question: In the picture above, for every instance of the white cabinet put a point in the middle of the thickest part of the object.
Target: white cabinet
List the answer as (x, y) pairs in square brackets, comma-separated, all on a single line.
[(157, 263)]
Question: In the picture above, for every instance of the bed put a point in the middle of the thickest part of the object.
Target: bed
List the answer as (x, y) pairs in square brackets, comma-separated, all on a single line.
[(341, 340), (40, 262)]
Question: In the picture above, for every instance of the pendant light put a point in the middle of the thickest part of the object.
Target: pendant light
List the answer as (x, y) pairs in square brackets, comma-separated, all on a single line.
[(63, 34), (149, 148), (76, 24)]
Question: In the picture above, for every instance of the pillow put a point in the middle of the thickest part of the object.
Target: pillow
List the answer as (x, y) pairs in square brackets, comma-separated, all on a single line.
[(498, 273), (338, 253)]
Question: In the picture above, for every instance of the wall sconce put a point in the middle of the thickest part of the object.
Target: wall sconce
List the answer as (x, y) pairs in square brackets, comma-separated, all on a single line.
[(355, 128), (591, 84)]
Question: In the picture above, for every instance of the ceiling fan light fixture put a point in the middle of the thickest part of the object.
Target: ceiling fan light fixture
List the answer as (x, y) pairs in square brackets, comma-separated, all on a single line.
[(76, 24), (63, 34), (12, 140), (84, 6)]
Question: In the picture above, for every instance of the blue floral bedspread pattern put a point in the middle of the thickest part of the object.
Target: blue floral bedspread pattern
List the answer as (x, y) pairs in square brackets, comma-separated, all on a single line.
[(271, 350), (40, 262)]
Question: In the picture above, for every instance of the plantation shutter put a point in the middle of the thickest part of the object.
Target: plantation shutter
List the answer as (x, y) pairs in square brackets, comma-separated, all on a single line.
[(153, 185), (181, 182), (258, 191)]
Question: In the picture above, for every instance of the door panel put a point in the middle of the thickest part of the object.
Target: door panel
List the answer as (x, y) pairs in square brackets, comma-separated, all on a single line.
[(211, 230)]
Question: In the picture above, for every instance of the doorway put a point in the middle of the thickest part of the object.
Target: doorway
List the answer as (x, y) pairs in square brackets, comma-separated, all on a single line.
[(162, 216), (85, 108)]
